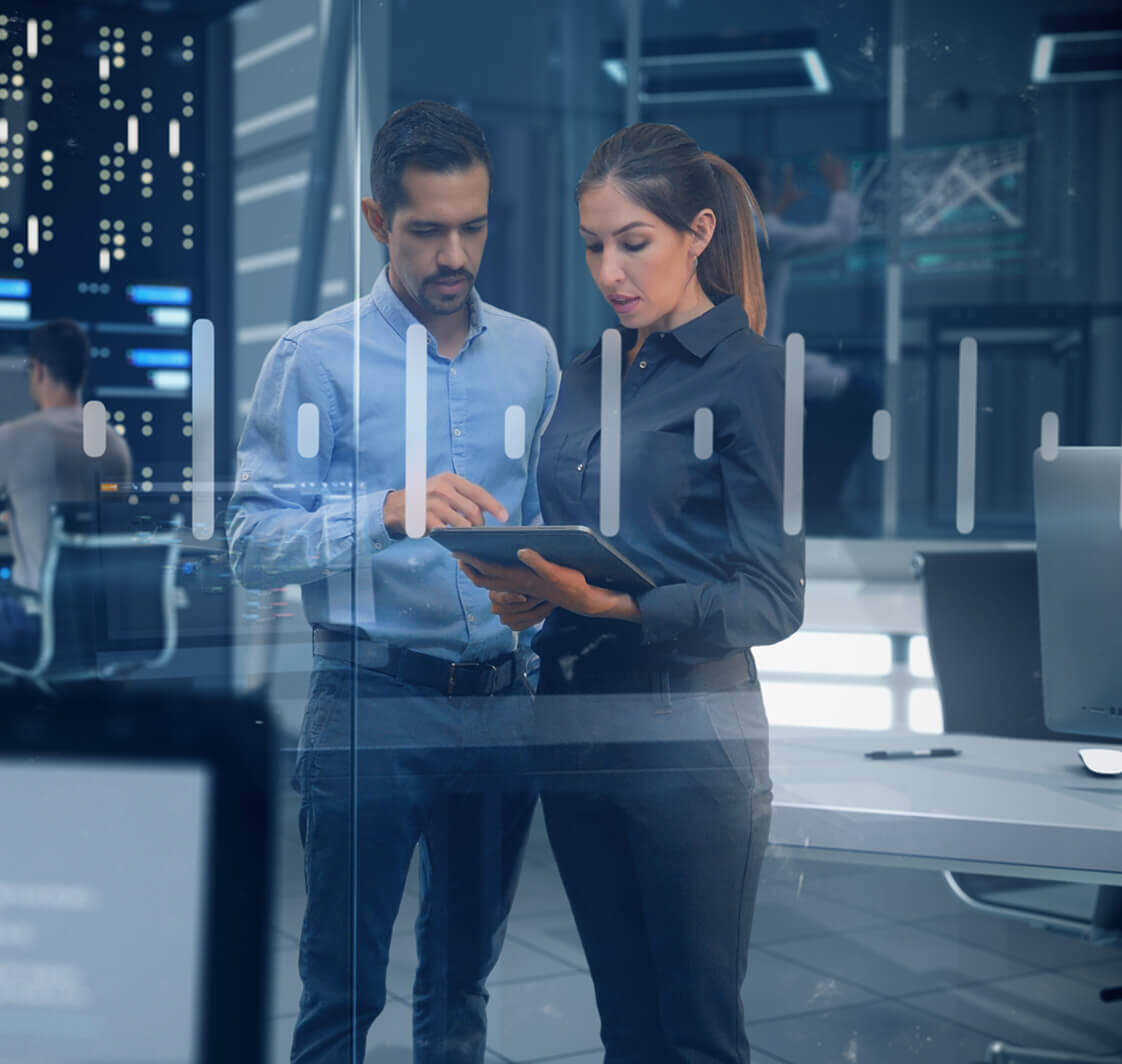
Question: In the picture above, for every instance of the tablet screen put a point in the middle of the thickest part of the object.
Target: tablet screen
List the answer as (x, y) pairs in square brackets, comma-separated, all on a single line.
[(574, 546)]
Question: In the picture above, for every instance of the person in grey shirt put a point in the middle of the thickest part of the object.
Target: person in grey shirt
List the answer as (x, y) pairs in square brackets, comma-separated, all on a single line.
[(42, 461)]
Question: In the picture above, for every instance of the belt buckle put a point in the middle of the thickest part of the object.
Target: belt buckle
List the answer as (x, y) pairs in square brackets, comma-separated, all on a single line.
[(492, 673)]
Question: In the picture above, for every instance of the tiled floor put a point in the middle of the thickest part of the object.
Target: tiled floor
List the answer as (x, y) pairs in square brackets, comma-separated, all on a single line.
[(849, 964)]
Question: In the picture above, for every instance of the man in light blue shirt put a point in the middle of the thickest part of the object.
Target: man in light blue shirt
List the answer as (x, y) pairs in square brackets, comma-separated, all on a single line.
[(416, 712)]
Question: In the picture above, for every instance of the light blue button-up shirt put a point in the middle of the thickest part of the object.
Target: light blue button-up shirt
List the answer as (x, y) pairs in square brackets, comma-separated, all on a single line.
[(302, 520)]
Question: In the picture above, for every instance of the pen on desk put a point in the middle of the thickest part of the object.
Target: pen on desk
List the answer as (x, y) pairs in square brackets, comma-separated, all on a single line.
[(894, 755)]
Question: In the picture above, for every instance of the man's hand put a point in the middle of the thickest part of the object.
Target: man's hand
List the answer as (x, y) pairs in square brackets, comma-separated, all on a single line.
[(789, 192), (519, 611), (542, 582), (450, 501), (834, 170)]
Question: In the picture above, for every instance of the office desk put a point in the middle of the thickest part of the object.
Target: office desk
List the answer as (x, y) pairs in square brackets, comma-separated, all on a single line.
[(1004, 806)]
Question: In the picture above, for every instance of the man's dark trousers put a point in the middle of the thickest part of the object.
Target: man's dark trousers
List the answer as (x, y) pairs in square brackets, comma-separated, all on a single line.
[(381, 767)]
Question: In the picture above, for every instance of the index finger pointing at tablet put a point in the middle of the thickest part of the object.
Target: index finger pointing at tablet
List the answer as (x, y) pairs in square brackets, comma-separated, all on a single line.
[(482, 498)]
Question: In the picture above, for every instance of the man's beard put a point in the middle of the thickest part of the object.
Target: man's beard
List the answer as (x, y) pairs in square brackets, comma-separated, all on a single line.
[(442, 307)]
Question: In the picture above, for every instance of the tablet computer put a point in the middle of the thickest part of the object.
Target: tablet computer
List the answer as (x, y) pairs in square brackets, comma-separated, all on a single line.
[(575, 546)]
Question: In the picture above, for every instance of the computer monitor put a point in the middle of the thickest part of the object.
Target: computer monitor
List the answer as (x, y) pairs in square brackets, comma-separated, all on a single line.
[(1078, 495), (134, 883)]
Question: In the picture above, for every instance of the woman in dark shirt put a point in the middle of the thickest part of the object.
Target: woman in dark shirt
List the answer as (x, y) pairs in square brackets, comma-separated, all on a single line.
[(657, 798)]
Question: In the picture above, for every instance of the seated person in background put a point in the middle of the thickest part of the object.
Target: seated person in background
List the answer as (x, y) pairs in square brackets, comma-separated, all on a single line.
[(840, 403), (42, 461)]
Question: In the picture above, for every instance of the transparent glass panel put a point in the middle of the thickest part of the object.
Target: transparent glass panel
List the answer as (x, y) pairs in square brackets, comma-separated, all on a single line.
[(290, 782)]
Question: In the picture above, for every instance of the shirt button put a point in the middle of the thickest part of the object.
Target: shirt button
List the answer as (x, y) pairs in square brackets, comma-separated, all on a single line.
[(643, 364), (377, 546), (580, 466), (456, 432), (453, 371), (471, 618)]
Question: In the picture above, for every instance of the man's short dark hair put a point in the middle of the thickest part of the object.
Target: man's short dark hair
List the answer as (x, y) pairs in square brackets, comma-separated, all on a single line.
[(62, 347), (426, 134)]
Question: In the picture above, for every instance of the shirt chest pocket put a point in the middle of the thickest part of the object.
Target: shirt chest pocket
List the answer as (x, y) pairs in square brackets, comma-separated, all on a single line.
[(568, 458), (661, 476)]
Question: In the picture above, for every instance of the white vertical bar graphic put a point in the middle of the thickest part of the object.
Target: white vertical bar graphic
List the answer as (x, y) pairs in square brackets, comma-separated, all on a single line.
[(967, 433), (793, 401), (103, 68), (416, 428), (1049, 436), (896, 98), (32, 38), (611, 392), (3, 131), (133, 137), (307, 430), (703, 432), (202, 428), (173, 137), (103, 260), (1120, 488), (514, 432), (882, 435), (893, 288), (32, 234), (93, 428)]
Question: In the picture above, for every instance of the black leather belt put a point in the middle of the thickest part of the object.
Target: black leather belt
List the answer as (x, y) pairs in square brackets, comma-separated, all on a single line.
[(451, 678)]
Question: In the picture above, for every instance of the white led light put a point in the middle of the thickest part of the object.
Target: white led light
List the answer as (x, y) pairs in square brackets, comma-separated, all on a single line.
[(3, 131), (103, 260), (133, 134), (1042, 57), (815, 70), (32, 37), (173, 138), (32, 234)]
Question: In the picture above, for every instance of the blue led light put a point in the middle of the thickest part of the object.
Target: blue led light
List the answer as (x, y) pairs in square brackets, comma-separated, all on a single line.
[(14, 288), (5, 573), (159, 293), (158, 358)]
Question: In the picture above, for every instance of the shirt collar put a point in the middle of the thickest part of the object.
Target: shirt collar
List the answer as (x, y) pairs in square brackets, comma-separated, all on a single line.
[(700, 335), (400, 317)]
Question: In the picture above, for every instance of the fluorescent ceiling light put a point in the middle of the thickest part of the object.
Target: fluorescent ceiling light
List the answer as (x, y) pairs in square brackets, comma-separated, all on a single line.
[(741, 67), (1085, 47)]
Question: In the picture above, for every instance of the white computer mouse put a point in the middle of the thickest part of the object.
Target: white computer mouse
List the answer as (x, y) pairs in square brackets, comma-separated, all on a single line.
[(1102, 761)]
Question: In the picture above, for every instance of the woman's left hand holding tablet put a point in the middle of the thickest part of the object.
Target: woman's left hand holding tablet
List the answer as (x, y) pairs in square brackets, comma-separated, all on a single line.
[(523, 594)]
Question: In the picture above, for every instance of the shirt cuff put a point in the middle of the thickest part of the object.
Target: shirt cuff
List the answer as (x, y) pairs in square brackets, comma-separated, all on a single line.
[(666, 612), (371, 518)]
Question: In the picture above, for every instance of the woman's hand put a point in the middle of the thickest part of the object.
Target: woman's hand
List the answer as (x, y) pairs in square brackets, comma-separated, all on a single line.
[(519, 611), (543, 583)]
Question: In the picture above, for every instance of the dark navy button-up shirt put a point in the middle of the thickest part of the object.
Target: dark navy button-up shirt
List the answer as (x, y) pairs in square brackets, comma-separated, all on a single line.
[(709, 531)]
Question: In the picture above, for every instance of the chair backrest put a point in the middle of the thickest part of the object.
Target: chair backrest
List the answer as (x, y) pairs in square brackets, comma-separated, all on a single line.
[(107, 595), (983, 629)]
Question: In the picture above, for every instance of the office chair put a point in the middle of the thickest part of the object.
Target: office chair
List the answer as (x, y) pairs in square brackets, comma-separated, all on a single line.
[(106, 599), (983, 630)]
